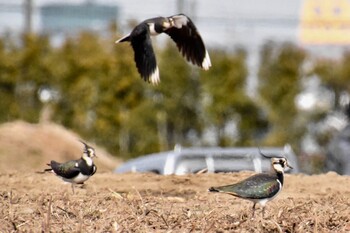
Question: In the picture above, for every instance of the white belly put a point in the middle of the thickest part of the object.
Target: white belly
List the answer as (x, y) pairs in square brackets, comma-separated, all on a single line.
[(78, 179)]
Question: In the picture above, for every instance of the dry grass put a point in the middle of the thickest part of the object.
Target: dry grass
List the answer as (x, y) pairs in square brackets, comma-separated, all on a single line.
[(31, 202), (153, 203)]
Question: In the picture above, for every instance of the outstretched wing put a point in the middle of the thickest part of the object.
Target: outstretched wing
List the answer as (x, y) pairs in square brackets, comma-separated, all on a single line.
[(66, 170), (188, 40), (144, 55)]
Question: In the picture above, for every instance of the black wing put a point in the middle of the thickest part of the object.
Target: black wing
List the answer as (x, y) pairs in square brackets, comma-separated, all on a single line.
[(257, 186), (94, 169), (143, 53), (66, 170), (188, 40), (85, 169)]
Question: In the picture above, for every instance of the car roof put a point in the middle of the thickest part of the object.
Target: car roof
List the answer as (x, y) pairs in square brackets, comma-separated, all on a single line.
[(158, 162)]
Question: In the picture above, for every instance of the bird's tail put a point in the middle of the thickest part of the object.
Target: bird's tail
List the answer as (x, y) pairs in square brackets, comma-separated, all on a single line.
[(45, 170), (123, 39), (213, 189)]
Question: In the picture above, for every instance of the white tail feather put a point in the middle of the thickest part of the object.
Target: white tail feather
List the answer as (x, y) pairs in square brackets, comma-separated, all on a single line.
[(206, 64), (154, 77), (121, 39)]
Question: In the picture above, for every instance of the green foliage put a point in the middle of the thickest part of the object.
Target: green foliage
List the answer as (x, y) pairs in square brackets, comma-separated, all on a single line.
[(97, 92), (8, 73), (225, 99), (177, 97), (280, 82), (334, 75), (24, 69)]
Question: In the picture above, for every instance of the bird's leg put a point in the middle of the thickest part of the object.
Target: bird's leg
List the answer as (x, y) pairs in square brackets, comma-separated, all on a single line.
[(263, 211), (254, 209), (73, 188)]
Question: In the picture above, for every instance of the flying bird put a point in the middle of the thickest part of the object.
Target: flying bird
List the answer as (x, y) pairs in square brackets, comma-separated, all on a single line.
[(183, 32), (260, 188), (75, 171)]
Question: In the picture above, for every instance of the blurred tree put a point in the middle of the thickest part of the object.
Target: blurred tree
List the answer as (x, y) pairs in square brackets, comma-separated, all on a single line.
[(26, 66), (226, 101), (34, 72), (334, 75), (280, 75), (121, 91), (98, 91), (345, 73), (8, 73), (78, 81), (176, 99)]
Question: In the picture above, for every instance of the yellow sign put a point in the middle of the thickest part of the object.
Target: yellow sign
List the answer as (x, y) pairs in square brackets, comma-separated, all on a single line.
[(325, 22)]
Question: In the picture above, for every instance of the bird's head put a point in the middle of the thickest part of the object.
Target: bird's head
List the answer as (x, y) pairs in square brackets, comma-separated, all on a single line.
[(279, 163), (88, 151), (168, 23)]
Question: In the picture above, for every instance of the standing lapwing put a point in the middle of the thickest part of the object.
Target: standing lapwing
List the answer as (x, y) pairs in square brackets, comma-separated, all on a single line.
[(181, 29), (259, 188), (75, 171)]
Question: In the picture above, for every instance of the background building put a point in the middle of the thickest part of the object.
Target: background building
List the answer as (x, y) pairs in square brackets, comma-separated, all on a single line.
[(67, 18)]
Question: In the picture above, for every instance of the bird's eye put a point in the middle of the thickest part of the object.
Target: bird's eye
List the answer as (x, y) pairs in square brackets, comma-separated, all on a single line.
[(91, 152)]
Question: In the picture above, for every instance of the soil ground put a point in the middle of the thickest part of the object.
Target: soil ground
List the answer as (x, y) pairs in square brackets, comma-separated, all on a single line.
[(109, 202), (31, 202)]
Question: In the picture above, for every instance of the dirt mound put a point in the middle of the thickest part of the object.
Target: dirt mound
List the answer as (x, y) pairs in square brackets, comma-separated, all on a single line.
[(28, 147), (153, 203)]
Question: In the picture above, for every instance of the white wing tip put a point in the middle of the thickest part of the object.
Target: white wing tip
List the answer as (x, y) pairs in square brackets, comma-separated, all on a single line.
[(206, 64), (154, 77), (122, 39), (117, 41)]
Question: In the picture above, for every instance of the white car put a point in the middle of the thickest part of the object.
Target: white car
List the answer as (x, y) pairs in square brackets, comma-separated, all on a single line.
[(215, 159)]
